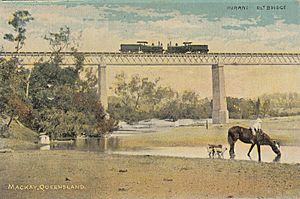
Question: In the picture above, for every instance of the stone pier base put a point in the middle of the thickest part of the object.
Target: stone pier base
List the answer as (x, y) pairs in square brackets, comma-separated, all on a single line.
[(102, 88), (220, 113)]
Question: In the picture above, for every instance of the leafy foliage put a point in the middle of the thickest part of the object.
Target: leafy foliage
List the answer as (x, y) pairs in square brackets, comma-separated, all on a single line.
[(18, 21), (67, 105), (59, 40), (12, 89), (51, 98), (278, 104), (12, 73), (140, 98)]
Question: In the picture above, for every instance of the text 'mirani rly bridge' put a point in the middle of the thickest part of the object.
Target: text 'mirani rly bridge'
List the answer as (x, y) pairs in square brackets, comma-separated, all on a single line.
[(216, 60)]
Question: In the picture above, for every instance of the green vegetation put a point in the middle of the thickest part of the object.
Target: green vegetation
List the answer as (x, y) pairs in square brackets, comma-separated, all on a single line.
[(49, 98), (20, 137), (62, 100), (13, 76), (139, 98), (271, 105)]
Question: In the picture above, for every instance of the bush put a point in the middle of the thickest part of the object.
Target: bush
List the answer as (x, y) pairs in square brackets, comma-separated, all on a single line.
[(4, 131)]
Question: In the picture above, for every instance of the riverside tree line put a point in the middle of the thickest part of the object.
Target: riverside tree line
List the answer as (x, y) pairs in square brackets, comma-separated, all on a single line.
[(62, 101), (138, 98)]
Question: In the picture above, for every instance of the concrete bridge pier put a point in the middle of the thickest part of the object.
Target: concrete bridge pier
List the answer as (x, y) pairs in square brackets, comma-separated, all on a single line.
[(220, 113), (102, 87)]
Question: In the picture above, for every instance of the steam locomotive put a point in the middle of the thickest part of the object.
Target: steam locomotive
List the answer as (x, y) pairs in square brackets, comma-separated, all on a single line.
[(143, 47)]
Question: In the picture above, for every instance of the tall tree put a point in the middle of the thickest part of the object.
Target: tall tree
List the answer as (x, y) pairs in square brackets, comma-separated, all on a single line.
[(51, 84), (18, 21), (67, 105), (17, 76), (266, 107), (257, 107)]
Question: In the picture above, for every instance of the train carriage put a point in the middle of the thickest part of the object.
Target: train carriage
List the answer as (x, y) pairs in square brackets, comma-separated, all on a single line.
[(130, 48), (187, 48), (198, 48), (141, 47)]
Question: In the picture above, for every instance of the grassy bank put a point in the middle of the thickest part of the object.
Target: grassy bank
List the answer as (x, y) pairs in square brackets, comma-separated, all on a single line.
[(21, 137), (285, 129)]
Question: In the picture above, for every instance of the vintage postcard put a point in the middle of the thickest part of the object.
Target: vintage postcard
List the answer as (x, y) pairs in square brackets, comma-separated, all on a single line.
[(135, 99)]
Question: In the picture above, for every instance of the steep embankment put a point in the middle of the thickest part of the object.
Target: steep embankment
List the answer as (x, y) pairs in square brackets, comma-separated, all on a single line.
[(20, 137)]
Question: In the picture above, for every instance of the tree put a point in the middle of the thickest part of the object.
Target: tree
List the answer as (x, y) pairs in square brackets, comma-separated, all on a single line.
[(247, 108), (65, 104), (171, 110), (50, 84), (137, 98), (136, 92), (234, 107), (11, 71), (140, 98), (59, 40), (265, 109), (257, 107), (62, 41), (19, 22), (190, 105), (292, 98)]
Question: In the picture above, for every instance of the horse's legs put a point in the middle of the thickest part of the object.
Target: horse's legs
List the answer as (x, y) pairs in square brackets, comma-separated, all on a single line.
[(258, 151), (250, 150), (231, 141), (219, 154), (231, 150)]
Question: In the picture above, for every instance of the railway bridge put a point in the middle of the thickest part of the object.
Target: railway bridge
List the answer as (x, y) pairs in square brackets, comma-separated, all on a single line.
[(217, 61)]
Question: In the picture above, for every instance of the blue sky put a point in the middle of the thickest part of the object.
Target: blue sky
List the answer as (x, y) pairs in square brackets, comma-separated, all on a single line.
[(201, 21), (103, 25)]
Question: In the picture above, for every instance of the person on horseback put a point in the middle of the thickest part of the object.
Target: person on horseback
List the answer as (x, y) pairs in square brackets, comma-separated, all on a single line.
[(256, 128)]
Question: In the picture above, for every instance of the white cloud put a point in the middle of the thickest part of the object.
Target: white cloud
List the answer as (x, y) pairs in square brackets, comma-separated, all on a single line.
[(138, 11), (101, 35)]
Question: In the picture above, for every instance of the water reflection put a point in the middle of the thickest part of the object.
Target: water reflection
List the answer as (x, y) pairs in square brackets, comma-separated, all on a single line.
[(45, 147), (277, 158), (85, 144), (289, 154)]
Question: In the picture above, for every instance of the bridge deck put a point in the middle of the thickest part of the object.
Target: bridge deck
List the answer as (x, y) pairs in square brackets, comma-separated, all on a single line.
[(116, 58)]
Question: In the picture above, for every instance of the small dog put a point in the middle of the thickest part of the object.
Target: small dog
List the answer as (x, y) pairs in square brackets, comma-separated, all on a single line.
[(216, 151)]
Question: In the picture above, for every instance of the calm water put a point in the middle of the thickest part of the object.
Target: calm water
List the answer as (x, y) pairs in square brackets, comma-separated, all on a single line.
[(90, 144), (290, 154)]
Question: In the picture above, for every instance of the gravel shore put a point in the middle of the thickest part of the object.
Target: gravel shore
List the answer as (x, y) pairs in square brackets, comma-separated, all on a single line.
[(84, 175)]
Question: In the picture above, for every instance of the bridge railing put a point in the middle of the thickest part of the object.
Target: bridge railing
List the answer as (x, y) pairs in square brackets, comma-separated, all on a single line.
[(115, 58)]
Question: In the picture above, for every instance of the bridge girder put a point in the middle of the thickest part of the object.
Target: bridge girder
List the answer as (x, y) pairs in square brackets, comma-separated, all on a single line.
[(131, 59)]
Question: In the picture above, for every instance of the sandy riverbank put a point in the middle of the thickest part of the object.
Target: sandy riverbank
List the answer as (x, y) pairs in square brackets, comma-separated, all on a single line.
[(117, 176)]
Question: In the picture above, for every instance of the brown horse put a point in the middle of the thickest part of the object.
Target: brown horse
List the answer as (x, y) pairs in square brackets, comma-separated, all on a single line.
[(245, 135)]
